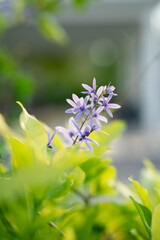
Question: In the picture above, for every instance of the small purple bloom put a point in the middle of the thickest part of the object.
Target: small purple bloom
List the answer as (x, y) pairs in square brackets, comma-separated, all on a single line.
[(107, 105), (68, 133), (96, 116), (110, 90), (96, 97), (83, 137), (50, 138), (94, 127), (79, 106), (88, 88)]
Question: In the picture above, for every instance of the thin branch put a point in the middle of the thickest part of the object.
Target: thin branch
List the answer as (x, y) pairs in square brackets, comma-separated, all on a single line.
[(53, 225), (86, 199)]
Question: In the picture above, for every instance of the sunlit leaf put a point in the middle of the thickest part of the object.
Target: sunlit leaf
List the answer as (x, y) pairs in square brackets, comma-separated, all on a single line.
[(77, 176), (142, 193), (93, 167), (145, 215), (156, 223), (33, 128), (61, 187), (105, 183)]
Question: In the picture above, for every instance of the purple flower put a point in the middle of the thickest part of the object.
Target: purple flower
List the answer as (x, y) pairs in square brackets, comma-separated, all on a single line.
[(96, 97), (110, 90), (83, 137), (94, 127), (68, 133), (88, 88), (50, 138), (79, 106), (107, 105), (96, 116)]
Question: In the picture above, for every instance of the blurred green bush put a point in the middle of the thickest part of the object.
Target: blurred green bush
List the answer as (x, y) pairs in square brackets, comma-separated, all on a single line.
[(69, 194)]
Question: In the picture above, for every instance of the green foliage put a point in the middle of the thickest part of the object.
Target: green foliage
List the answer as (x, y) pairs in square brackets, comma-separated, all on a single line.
[(150, 198), (51, 29), (49, 194), (14, 84), (40, 12), (145, 215), (156, 223), (72, 195)]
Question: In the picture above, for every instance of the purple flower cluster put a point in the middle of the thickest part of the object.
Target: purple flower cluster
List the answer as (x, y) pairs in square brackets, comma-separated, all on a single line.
[(89, 109)]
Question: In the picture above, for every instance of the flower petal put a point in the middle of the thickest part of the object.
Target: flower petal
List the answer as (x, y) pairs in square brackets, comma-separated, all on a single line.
[(87, 87), (86, 111), (89, 145), (98, 122), (109, 98), (99, 110), (110, 89), (70, 110), (78, 129), (84, 148), (93, 141), (103, 132), (81, 100), (102, 118), (86, 99), (75, 110), (78, 116), (99, 91), (61, 129), (109, 112), (96, 127), (71, 102), (94, 84), (114, 105), (85, 92), (53, 135), (75, 98), (70, 123)]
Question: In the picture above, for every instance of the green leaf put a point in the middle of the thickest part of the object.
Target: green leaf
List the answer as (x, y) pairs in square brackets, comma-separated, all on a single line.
[(33, 128), (51, 29), (93, 167), (84, 227), (62, 186), (21, 153), (145, 215), (142, 193), (156, 223), (105, 183), (77, 176)]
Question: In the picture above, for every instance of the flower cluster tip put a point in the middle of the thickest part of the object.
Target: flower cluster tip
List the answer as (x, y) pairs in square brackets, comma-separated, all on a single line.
[(90, 107)]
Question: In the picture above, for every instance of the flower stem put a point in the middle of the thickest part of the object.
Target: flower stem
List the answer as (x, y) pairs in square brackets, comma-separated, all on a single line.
[(82, 196), (86, 118)]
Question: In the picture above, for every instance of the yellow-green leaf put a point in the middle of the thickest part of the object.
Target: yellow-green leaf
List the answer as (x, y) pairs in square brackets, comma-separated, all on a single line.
[(156, 223), (34, 129), (145, 215), (77, 176), (142, 193)]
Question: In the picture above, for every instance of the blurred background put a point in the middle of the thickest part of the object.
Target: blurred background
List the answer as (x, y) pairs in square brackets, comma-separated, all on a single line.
[(48, 48)]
